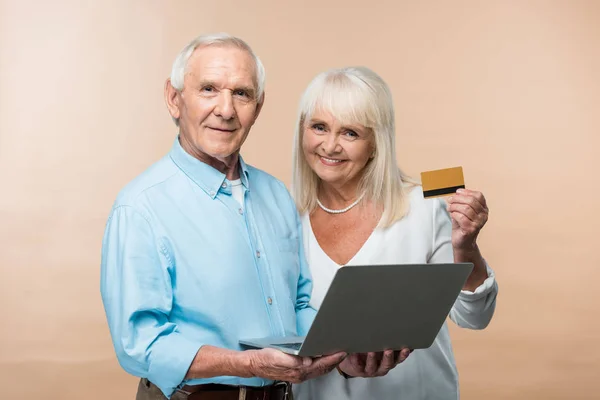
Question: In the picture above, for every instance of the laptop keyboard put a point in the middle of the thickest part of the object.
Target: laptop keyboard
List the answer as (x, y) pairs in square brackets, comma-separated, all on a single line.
[(294, 346)]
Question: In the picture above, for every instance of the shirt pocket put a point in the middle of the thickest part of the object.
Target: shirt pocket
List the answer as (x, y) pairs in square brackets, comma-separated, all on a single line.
[(287, 245), (287, 267)]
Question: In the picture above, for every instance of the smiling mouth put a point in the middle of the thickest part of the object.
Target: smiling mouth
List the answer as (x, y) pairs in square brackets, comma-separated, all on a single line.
[(330, 161), (222, 129)]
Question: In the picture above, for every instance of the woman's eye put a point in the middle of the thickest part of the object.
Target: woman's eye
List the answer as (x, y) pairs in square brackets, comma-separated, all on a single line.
[(319, 127), (351, 134)]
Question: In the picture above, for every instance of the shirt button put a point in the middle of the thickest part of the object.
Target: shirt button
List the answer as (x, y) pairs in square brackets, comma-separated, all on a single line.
[(241, 211), (223, 185), (258, 254), (269, 300), (211, 193)]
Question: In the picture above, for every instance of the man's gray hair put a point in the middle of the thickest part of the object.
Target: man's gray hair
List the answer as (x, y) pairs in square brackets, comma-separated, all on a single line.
[(217, 39)]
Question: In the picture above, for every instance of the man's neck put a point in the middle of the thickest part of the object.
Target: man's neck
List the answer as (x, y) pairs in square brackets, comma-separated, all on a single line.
[(228, 165)]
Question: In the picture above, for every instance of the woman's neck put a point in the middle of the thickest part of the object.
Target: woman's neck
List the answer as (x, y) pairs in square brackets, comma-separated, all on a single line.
[(337, 196)]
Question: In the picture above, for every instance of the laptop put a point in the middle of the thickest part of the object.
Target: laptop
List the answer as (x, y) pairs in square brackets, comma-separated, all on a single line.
[(377, 307)]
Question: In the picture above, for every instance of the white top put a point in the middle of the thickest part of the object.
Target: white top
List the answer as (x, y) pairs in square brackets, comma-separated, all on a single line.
[(423, 236), (237, 191)]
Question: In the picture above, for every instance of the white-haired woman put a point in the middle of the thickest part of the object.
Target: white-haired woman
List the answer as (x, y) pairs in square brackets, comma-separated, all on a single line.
[(359, 208)]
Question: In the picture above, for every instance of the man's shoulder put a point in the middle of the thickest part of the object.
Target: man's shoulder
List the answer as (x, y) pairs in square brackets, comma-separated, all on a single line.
[(151, 178), (260, 177), (272, 190)]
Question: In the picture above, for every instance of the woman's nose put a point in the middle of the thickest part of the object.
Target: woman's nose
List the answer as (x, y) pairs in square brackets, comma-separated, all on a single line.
[(330, 144)]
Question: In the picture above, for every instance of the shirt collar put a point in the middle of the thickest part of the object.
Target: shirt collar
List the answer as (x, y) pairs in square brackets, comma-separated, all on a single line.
[(206, 177)]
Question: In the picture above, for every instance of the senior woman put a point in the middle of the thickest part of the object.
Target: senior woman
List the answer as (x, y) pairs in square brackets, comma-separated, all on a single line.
[(358, 207)]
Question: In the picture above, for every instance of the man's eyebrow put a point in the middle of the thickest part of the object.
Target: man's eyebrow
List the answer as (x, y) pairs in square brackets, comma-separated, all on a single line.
[(206, 82), (247, 89)]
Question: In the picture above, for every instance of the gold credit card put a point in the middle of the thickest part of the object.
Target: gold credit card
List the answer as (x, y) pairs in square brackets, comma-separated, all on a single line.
[(442, 182)]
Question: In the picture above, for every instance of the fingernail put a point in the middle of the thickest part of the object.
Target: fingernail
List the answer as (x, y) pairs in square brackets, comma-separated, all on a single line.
[(450, 198), (460, 190)]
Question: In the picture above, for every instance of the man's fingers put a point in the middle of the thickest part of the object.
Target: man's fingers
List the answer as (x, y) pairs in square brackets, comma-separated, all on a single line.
[(325, 364), (335, 358), (278, 358), (329, 361), (307, 361)]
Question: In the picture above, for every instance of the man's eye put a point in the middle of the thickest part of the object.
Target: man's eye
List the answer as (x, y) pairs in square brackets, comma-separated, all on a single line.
[(208, 89), (241, 93)]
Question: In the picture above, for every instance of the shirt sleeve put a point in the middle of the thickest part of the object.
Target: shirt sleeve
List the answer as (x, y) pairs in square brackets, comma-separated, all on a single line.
[(473, 310), (136, 290), (305, 314)]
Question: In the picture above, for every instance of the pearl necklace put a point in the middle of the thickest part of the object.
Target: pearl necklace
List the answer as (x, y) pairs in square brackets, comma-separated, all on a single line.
[(343, 210)]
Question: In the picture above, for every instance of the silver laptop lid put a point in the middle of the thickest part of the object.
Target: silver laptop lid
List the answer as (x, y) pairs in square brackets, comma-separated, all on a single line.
[(375, 307)]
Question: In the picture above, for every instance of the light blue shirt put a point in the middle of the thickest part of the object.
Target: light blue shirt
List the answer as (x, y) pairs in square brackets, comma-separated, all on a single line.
[(183, 265)]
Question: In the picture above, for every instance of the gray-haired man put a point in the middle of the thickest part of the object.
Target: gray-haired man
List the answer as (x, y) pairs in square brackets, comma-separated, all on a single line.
[(202, 250)]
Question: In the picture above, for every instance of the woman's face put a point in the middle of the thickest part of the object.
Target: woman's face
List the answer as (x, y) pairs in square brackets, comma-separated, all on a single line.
[(337, 153)]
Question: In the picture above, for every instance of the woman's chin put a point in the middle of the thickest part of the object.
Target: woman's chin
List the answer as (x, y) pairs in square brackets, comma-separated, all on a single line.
[(332, 179)]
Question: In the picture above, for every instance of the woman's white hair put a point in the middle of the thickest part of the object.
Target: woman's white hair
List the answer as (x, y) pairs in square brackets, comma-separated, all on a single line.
[(216, 39), (354, 95)]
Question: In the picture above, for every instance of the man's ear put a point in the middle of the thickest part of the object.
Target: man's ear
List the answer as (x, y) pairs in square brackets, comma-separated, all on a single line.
[(172, 99), (259, 106)]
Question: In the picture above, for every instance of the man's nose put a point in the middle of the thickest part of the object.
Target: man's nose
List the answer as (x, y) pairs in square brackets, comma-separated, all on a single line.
[(224, 107)]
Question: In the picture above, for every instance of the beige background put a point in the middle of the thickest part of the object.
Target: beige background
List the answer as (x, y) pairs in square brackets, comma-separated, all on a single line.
[(510, 90)]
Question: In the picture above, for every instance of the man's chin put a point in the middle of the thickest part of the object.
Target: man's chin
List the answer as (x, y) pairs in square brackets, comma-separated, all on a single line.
[(224, 154)]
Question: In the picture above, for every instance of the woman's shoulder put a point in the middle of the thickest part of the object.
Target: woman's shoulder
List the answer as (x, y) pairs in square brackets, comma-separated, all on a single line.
[(421, 209), (417, 202)]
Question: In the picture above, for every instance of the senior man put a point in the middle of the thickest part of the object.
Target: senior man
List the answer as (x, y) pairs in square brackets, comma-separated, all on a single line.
[(201, 249)]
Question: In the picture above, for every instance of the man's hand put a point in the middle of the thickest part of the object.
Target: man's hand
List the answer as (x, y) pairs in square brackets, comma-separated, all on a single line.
[(368, 365), (276, 365)]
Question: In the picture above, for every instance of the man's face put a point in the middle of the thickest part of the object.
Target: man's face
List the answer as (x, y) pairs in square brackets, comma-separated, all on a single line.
[(218, 103)]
